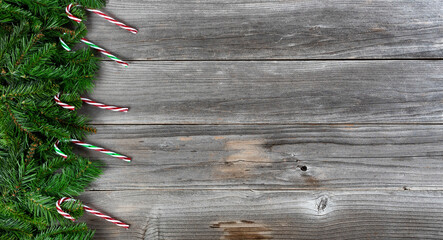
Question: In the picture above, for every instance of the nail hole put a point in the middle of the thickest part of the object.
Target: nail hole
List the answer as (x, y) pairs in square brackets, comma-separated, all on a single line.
[(303, 168)]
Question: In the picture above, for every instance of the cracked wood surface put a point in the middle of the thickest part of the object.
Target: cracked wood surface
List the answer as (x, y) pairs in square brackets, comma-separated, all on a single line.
[(264, 119)]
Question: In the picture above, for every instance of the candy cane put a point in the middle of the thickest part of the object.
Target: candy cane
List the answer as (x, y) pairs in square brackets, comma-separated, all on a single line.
[(101, 14), (87, 209), (90, 102), (68, 12), (102, 150), (112, 20), (58, 151), (103, 106), (62, 104), (92, 147), (87, 42), (91, 44), (104, 52)]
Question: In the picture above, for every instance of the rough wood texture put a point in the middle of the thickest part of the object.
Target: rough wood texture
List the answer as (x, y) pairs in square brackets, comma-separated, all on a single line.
[(271, 157), (242, 215), (273, 29), (220, 142), (271, 92)]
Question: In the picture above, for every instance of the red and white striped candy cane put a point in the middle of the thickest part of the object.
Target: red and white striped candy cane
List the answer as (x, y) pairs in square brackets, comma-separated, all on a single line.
[(101, 14), (68, 12), (91, 44), (87, 209), (90, 102), (104, 106), (62, 104)]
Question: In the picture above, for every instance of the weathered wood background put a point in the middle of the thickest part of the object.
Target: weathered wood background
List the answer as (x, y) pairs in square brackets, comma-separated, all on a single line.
[(304, 119)]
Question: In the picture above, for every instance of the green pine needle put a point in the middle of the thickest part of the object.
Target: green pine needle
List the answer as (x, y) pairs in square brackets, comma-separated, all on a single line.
[(33, 69)]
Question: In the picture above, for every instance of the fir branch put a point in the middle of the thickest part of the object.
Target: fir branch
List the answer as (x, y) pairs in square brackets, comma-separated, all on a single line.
[(79, 231), (63, 30), (12, 212), (32, 136), (31, 152), (34, 68), (34, 39), (16, 228), (85, 128)]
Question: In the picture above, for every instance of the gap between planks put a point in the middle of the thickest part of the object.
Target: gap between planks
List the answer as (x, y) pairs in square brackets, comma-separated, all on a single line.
[(275, 124), (277, 60), (403, 189)]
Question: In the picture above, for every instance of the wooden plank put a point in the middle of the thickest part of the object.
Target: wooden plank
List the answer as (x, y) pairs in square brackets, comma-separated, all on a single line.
[(272, 29), (270, 157), (219, 92), (232, 215)]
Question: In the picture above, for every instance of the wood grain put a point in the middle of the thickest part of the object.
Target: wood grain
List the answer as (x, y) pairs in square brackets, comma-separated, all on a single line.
[(270, 157), (283, 92), (225, 147), (240, 215), (272, 29)]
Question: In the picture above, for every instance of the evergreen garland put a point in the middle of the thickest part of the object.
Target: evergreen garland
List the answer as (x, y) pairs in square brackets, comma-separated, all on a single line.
[(33, 69)]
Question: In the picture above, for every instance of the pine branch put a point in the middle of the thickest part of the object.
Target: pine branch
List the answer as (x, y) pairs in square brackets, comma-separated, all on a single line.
[(33, 69), (19, 126)]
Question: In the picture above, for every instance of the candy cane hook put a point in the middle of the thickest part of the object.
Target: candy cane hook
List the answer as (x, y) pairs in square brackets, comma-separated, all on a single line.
[(101, 14), (87, 209), (62, 104), (58, 151), (64, 45)]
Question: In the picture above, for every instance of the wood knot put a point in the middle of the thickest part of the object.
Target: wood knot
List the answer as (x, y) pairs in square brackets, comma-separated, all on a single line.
[(321, 203)]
